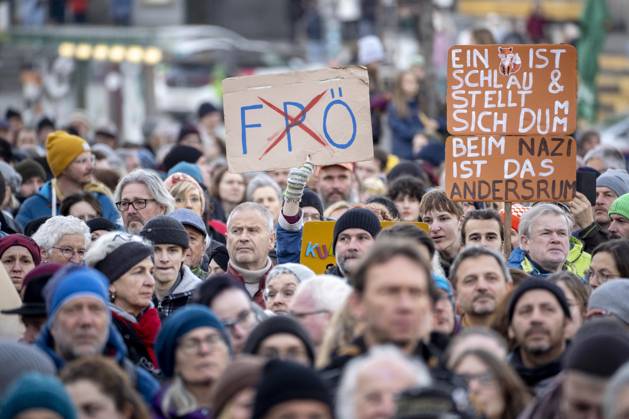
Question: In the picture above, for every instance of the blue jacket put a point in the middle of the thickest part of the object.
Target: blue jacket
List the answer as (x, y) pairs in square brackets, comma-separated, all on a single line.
[(577, 262), (404, 129), (40, 205), (144, 383), (288, 240)]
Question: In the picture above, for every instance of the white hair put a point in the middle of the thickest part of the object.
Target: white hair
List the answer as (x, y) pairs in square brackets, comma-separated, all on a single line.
[(328, 292), (252, 206), (262, 180), (610, 155), (107, 243), (154, 185), (390, 356), (528, 219), (49, 233)]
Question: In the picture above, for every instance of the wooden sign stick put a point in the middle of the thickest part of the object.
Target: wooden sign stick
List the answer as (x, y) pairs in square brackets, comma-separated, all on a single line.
[(507, 230)]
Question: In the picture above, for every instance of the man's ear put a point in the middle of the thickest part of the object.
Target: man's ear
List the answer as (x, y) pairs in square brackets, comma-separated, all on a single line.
[(524, 243), (356, 306), (272, 241)]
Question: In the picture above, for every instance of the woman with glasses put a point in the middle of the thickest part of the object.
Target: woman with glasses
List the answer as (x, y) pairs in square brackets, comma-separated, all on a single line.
[(126, 261), (494, 389), (63, 240), (19, 255), (609, 261), (193, 350), (81, 205)]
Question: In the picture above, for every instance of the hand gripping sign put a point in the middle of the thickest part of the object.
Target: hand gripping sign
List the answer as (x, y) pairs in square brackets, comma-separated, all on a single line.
[(512, 89), (276, 121)]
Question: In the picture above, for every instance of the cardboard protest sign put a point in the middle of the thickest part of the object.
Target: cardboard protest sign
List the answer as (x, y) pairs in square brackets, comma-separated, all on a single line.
[(510, 169), (276, 121), (316, 243), (512, 89)]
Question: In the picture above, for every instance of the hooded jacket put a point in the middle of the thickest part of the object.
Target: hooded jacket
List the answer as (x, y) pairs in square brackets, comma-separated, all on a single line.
[(144, 383), (179, 294), (577, 262), (40, 204)]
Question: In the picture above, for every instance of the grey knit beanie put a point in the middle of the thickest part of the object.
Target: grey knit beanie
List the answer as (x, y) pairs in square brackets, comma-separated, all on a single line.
[(19, 358), (615, 179), (612, 298)]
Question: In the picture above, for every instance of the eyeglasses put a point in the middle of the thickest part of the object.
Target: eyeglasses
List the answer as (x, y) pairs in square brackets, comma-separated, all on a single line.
[(84, 160), (307, 313), (483, 379), (193, 345), (68, 252), (242, 317), (137, 204)]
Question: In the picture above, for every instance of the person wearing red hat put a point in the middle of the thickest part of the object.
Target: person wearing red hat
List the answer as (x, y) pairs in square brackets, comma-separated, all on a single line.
[(19, 254), (336, 182)]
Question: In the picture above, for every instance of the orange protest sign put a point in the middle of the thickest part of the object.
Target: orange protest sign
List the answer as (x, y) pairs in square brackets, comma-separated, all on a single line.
[(512, 89), (316, 243), (510, 169)]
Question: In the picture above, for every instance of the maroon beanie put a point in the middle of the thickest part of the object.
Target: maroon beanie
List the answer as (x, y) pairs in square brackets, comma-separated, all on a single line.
[(21, 240)]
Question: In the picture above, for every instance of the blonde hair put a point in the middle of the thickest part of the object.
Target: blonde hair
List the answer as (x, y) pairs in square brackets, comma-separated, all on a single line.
[(340, 205), (178, 398), (341, 331), (182, 188)]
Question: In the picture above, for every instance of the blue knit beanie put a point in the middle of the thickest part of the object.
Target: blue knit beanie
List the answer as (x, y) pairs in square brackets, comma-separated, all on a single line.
[(82, 282), (190, 169), (37, 391), (178, 324), (443, 284)]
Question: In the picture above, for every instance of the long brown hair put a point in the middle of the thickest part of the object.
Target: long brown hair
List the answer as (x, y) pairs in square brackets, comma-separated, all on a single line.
[(400, 101), (514, 392)]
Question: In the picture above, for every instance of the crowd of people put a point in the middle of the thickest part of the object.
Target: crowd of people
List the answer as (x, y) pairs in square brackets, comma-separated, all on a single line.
[(150, 281)]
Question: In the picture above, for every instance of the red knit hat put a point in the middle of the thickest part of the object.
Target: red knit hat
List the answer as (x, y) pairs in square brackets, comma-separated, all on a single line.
[(21, 240)]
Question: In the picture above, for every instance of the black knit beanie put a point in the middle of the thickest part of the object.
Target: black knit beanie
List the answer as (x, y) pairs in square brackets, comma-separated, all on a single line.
[(29, 169), (165, 230), (273, 326), (599, 354), (284, 381), (311, 199), (357, 218), (220, 256), (100, 223), (122, 259), (538, 284), (180, 153)]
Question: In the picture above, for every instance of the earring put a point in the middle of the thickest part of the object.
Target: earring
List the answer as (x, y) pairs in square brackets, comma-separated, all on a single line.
[(112, 295)]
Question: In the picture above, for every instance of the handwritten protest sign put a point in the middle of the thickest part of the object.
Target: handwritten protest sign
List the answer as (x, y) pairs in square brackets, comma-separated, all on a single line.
[(512, 90), (316, 243), (276, 121), (510, 169)]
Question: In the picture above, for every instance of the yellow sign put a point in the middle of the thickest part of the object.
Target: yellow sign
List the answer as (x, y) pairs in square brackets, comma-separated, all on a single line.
[(316, 243)]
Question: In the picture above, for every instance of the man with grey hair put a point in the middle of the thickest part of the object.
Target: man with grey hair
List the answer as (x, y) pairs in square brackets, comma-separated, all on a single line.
[(63, 240), (263, 190), (604, 157), (250, 239), (546, 245), (315, 302), (371, 383), (481, 281), (140, 196)]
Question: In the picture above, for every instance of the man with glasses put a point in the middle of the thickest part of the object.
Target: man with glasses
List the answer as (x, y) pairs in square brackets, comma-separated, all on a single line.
[(140, 196), (72, 165), (63, 240)]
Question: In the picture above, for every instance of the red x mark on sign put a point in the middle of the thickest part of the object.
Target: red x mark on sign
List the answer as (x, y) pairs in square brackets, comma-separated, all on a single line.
[(294, 122)]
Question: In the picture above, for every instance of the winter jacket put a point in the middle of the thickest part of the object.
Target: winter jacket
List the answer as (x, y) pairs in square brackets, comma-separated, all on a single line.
[(158, 413), (545, 405), (592, 236), (578, 261), (40, 204), (179, 294), (139, 334), (288, 239), (430, 353), (536, 379), (115, 348), (404, 129)]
